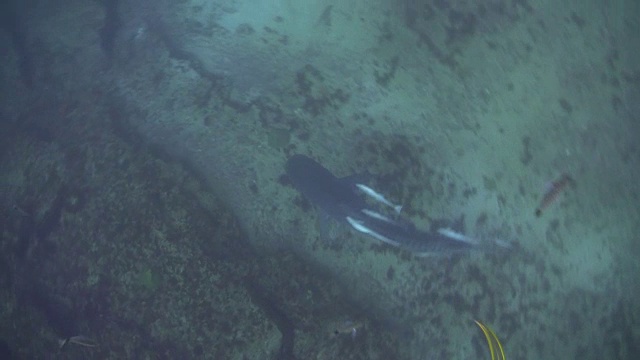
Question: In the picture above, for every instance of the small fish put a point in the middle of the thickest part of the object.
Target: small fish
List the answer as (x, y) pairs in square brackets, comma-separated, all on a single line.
[(78, 340), (348, 327), (365, 230), (552, 192), (376, 215), (379, 197), (451, 234)]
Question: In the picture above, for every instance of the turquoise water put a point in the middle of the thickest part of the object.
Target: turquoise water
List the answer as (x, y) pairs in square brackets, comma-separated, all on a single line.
[(143, 150)]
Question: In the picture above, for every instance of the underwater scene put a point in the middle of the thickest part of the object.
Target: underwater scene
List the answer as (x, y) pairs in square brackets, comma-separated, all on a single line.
[(320, 179)]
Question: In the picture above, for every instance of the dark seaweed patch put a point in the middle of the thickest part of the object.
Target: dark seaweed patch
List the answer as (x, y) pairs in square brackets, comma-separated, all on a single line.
[(526, 156), (461, 25), (616, 103), (325, 17), (316, 95), (579, 21), (302, 203), (482, 219), (565, 105), (384, 77), (390, 273), (273, 312)]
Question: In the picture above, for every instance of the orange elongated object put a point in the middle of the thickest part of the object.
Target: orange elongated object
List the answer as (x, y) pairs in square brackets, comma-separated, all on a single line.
[(553, 191)]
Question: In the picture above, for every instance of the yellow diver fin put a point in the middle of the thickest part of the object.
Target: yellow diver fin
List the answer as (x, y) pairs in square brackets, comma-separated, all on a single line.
[(492, 340)]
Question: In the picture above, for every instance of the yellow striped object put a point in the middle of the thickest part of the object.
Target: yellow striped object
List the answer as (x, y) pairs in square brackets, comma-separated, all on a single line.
[(492, 340)]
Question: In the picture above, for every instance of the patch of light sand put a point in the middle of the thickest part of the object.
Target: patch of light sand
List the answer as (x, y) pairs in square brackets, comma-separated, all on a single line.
[(588, 263)]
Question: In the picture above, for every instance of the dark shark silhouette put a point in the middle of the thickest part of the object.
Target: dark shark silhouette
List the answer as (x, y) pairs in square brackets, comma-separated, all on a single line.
[(12, 20), (339, 199)]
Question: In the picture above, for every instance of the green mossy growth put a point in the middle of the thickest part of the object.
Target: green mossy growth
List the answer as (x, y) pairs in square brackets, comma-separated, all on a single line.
[(278, 138), (149, 279)]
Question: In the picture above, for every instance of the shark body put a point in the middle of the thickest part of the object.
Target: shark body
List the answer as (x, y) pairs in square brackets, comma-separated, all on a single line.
[(336, 197), (340, 199)]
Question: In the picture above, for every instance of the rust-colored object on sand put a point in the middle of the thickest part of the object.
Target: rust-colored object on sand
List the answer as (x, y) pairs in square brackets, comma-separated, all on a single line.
[(553, 191)]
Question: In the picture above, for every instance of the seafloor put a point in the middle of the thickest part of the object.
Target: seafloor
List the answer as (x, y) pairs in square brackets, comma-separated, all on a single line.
[(142, 151)]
